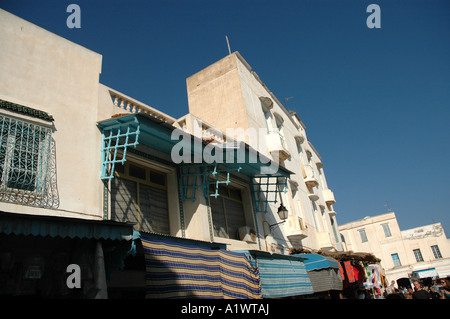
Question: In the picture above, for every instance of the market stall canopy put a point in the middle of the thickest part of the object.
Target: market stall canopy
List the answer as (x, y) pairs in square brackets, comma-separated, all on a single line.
[(316, 262), (323, 272), (281, 275), (350, 255), (64, 227)]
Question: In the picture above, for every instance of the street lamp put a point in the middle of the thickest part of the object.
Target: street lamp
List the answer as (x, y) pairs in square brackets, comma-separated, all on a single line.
[(282, 212)]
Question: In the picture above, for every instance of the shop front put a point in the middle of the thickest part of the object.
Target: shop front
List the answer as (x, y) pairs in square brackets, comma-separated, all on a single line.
[(57, 257), (324, 274)]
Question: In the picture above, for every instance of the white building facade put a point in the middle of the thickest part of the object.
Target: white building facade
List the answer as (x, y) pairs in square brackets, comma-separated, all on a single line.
[(84, 168), (229, 96), (422, 252)]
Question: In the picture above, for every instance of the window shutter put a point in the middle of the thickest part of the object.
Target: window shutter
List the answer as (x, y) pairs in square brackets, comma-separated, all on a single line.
[(235, 217), (218, 216), (124, 200), (154, 209)]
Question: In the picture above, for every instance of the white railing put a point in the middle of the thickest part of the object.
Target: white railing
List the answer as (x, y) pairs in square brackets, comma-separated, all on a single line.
[(195, 126), (131, 105)]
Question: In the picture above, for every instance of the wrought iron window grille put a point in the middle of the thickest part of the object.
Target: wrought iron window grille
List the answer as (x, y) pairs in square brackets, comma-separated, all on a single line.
[(27, 163)]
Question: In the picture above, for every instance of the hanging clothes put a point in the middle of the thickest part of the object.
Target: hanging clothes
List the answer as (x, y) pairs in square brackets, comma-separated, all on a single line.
[(359, 272), (350, 271), (341, 270), (375, 277), (343, 275)]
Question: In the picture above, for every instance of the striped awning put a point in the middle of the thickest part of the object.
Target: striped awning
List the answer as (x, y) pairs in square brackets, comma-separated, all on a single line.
[(177, 268), (425, 273), (325, 279), (63, 227), (323, 272), (281, 275), (316, 262)]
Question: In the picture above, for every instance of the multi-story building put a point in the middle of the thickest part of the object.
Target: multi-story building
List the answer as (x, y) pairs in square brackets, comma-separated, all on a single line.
[(92, 178), (231, 97), (422, 252)]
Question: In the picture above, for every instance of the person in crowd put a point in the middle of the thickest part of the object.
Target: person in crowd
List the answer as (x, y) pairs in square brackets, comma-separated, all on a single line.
[(433, 293), (419, 292), (445, 292), (395, 295), (409, 293)]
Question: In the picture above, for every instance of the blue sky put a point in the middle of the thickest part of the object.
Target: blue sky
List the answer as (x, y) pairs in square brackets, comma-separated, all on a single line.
[(375, 102)]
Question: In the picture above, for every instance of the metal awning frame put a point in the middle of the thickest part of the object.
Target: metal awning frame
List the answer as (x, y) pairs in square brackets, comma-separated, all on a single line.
[(114, 138), (265, 190), (129, 130), (209, 173)]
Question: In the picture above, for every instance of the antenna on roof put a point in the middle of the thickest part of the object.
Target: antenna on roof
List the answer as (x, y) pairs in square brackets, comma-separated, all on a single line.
[(228, 43), (388, 208), (287, 99)]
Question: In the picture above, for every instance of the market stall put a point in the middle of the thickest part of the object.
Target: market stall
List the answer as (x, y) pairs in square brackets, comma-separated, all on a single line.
[(324, 274)]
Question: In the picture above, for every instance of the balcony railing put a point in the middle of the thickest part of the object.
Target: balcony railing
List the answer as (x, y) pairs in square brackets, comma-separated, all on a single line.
[(131, 105)]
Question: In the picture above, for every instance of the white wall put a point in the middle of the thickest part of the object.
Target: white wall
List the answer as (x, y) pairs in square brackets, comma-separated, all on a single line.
[(41, 70)]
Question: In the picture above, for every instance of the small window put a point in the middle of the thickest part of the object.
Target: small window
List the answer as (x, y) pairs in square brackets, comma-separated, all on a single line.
[(396, 260), (418, 255), (387, 231), (363, 235), (158, 178), (436, 251), (136, 171)]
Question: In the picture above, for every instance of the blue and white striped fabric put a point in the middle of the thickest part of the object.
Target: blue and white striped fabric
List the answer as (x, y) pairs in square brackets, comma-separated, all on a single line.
[(177, 269), (281, 276)]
